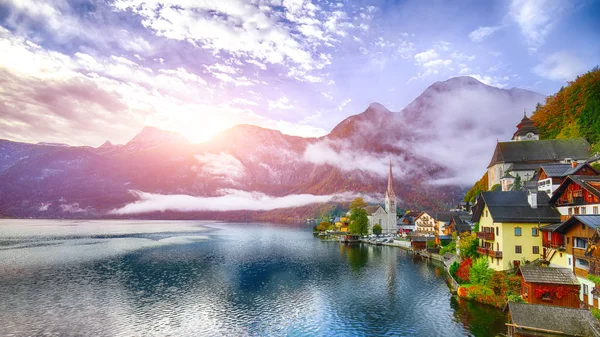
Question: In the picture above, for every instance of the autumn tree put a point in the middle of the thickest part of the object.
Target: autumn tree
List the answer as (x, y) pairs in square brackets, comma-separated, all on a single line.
[(468, 245), (359, 222)]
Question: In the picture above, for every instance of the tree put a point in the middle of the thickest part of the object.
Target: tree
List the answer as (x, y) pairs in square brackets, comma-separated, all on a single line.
[(324, 225), (359, 223), (481, 273), (496, 187), (517, 185), (357, 203), (468, 245), (377, 229), (463, 272)]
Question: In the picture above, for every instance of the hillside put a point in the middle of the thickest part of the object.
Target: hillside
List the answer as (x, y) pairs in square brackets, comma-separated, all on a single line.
[(250, 173), (574, 111)]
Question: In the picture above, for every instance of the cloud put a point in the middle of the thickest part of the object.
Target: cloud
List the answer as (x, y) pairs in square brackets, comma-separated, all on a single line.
[(483, 33), (282, 103), (230, 200), (536, 18), (222, 165), (426, 56), (560, 66)]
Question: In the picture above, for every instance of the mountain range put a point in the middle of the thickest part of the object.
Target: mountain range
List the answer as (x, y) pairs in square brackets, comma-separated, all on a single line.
[(437, 145)]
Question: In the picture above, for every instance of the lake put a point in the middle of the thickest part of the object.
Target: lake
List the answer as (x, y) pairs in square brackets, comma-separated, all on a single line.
[(199, 278)]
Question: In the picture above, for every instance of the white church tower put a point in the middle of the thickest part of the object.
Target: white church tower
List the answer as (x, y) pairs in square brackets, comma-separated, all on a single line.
[(390, 206)]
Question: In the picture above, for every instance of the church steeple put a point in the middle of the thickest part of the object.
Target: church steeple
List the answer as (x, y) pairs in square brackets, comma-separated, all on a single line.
[(389, 193), (526, 130)]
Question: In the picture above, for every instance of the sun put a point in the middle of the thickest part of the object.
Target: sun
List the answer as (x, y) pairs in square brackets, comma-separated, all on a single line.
[(196, 127)]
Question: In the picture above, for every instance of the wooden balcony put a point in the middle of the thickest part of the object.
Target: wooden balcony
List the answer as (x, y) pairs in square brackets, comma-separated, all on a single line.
[(556, 246), (495, 253), (482, 250), (579, 253), (486, 236), (583, 273)]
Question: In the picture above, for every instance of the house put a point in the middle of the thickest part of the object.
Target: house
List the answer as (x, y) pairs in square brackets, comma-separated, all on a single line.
[(418, 242), (577, 195), (524, 155), (406, 223), (387, 217), (528, 320), (581, 233), (549, 286), (550, 176), (425, 223), (458, 225), (509, 224), (553, 246)]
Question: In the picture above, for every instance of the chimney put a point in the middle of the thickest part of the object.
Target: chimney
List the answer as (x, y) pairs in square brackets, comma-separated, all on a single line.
[(574, 164), (532, 198)]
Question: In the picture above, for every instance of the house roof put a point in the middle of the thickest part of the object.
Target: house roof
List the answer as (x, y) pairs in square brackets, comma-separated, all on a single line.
[(563, 170), (550, 150), (512, 206), (550, 228), (372, 209), (589, 183), (421, 214), (590, 220), (535, 274), (413, 214), (460, 225), (568, 321), (444, 216)]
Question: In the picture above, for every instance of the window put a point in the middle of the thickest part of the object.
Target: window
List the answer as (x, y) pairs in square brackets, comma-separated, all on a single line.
[(549, 236), (536, 249), (517, 231), (518, 249), (569, 261), (583, 210), (582, 264), (583, 226), (534, 232), (486, 213), (570, 211), (497, 246), (580, 243), (496, 230), (584, 288), (595, 209), (576, 210)]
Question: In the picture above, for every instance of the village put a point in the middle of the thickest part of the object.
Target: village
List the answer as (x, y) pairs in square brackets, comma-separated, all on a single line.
[(527, 245)]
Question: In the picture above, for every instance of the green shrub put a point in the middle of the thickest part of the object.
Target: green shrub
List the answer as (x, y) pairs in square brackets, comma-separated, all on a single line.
[(498, 283), (431, 244), (449, 248), (518, 299), (453, 269), (596, 313), (480, 272), (594, 278)]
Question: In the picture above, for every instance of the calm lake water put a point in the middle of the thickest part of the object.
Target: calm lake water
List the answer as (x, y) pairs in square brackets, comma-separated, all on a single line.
[(183, 278)]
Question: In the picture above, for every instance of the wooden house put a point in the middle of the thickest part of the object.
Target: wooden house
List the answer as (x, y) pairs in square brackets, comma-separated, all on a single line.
[(577, 195), (537, 320), (458, 225), (549, 286), (553, 246), (550, 176), (419, 242), (581, 234)]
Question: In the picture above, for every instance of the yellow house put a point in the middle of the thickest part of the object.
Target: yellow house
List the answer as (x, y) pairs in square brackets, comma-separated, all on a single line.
[(509, 225)]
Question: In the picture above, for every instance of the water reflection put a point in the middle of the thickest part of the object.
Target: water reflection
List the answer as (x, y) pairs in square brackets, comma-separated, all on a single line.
[(244, 280)]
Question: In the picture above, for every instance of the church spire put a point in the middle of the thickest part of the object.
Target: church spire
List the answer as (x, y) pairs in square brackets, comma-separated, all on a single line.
[(390, 189)]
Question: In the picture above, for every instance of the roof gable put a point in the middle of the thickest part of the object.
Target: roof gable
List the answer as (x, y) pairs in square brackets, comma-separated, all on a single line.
[(373, 209), (512, 206), (589, 183), (590, 220)]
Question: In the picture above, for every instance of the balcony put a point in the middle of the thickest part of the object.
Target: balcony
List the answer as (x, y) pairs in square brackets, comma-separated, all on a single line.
[(579, 253), (482, 250), (486, 236), (554, 245), (495, 253)]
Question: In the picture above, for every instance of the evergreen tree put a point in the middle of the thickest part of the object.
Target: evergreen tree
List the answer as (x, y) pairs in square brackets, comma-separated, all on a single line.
[(518, 184)]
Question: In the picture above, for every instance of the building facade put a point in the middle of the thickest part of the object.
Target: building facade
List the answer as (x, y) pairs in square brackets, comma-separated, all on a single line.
[(387, 218)]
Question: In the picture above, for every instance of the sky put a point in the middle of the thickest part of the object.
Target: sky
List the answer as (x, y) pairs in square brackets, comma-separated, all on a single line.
[(83, 72)]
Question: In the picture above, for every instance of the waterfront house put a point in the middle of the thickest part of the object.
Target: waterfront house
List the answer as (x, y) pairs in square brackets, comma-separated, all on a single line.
[(509, 224), (581, 233), (577, 195), (425, 223), (458, 224), (549, 286), (550, 176), (528, 320), (526, 153), (418, 242)]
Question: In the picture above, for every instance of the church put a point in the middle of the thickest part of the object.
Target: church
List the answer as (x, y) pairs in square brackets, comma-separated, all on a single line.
[(525, 153), (386, 218)]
